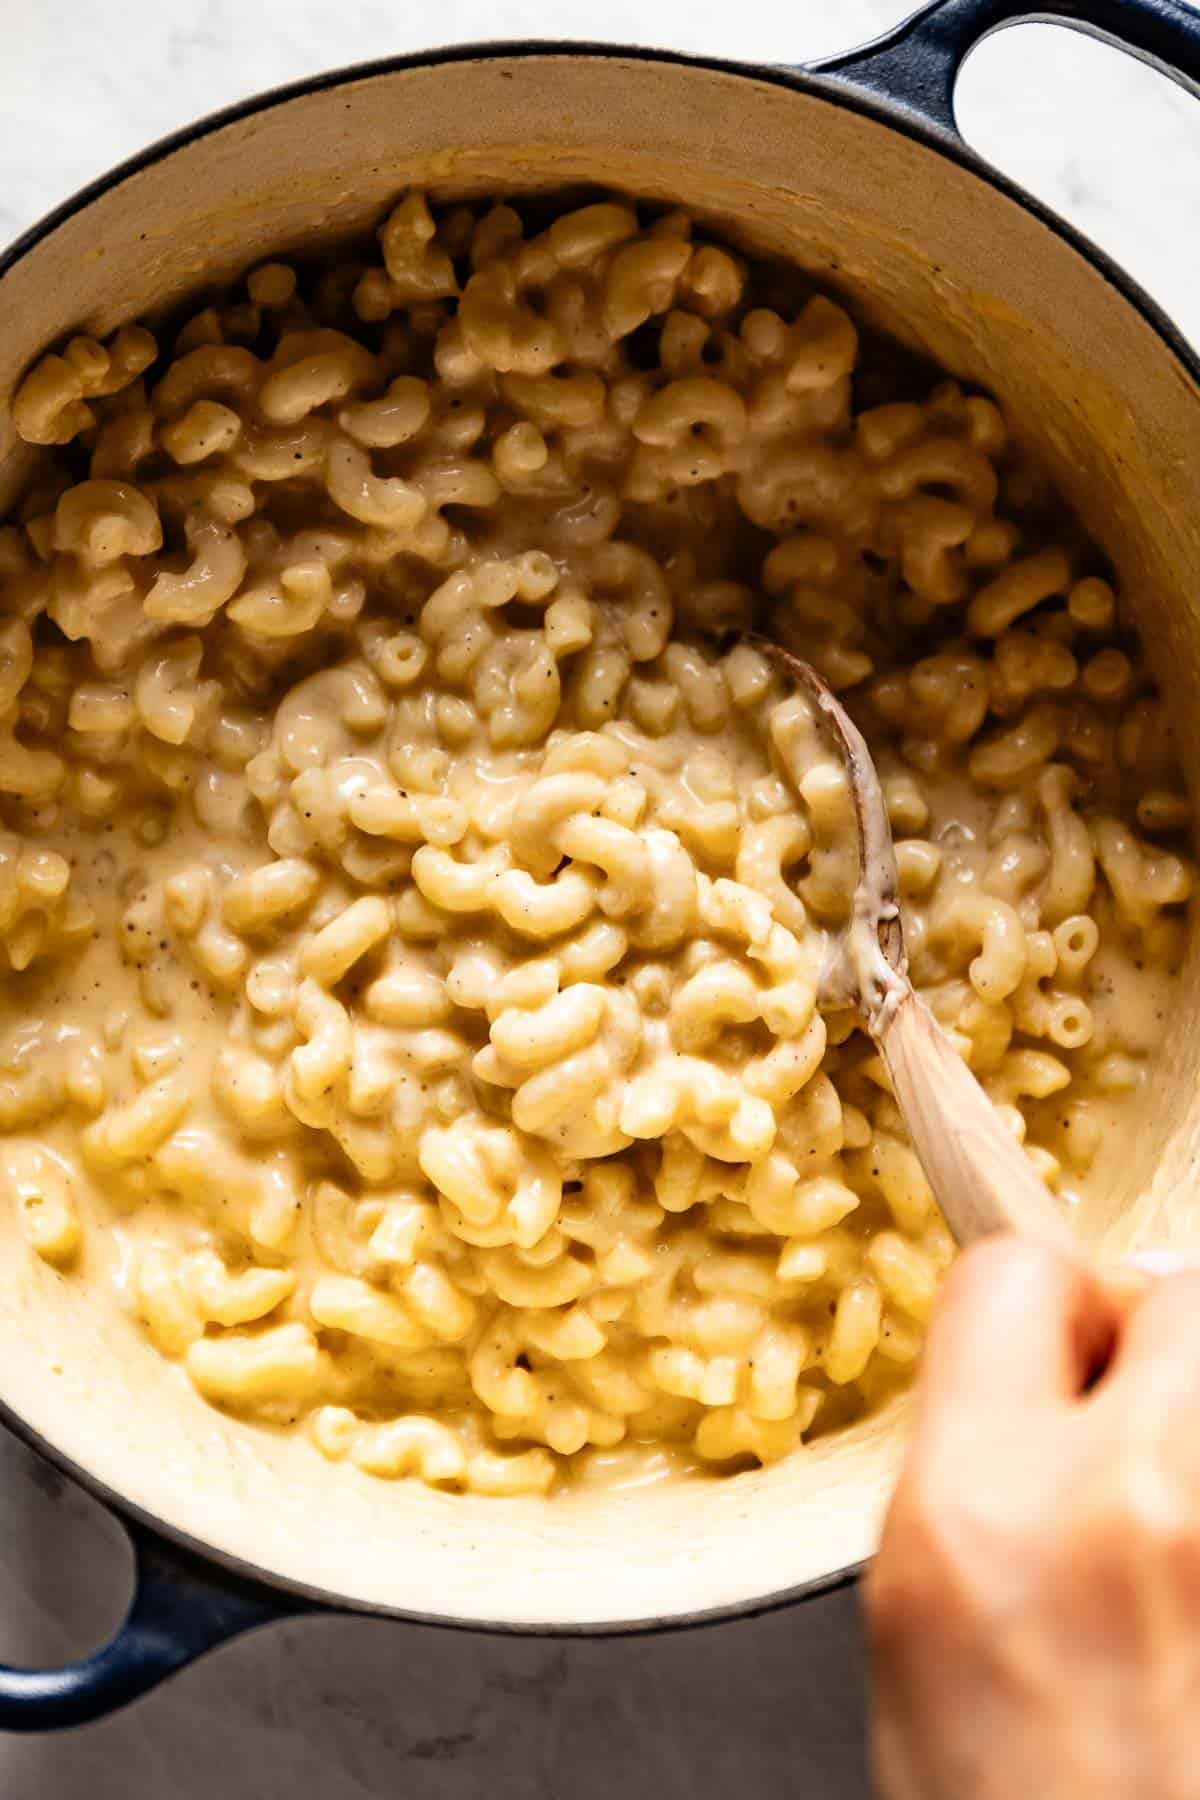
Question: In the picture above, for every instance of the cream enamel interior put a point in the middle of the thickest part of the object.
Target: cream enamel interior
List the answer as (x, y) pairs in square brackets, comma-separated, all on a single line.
[(934, 256)]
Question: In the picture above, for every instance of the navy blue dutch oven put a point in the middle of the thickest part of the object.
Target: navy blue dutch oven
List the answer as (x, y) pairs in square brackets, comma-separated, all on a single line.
[(854, 170)]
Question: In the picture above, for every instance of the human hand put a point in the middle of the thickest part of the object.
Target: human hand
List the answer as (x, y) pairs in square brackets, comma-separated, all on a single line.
[(1034, 1611)]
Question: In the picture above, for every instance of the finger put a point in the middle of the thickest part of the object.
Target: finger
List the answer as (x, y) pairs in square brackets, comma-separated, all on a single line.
[(1159, 1348), (1017, 1326), (1127, 1283), (1125, 1286)]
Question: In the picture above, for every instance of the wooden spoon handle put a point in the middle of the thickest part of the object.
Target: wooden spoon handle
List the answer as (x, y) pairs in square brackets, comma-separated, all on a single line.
[(980, 1176)]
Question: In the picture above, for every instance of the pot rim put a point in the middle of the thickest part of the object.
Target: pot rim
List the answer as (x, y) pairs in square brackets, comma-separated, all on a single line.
[(819, 80), (838, 89), (141, 1524)]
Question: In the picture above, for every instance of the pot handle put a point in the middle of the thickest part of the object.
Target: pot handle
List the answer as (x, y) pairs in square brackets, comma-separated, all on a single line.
[(917, 63), (183, 1605)]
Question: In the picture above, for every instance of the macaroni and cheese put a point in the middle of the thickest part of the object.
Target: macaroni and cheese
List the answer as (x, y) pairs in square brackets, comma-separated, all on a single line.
[(414, 896)]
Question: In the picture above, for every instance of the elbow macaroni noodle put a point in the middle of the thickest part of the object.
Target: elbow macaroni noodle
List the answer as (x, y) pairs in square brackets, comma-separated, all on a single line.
[(414, 924)]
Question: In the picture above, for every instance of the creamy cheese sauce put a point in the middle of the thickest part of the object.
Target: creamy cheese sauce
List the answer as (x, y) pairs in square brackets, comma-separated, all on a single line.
[(416, 926)]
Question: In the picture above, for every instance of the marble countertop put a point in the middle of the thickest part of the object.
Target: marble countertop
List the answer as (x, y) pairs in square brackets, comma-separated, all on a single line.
[(352, 1710)]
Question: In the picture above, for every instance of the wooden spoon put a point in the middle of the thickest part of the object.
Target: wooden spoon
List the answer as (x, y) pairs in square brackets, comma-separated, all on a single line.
[(981, 1178)]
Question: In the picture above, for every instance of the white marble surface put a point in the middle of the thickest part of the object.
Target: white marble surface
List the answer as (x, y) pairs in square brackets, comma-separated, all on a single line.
[(351, 1710)]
